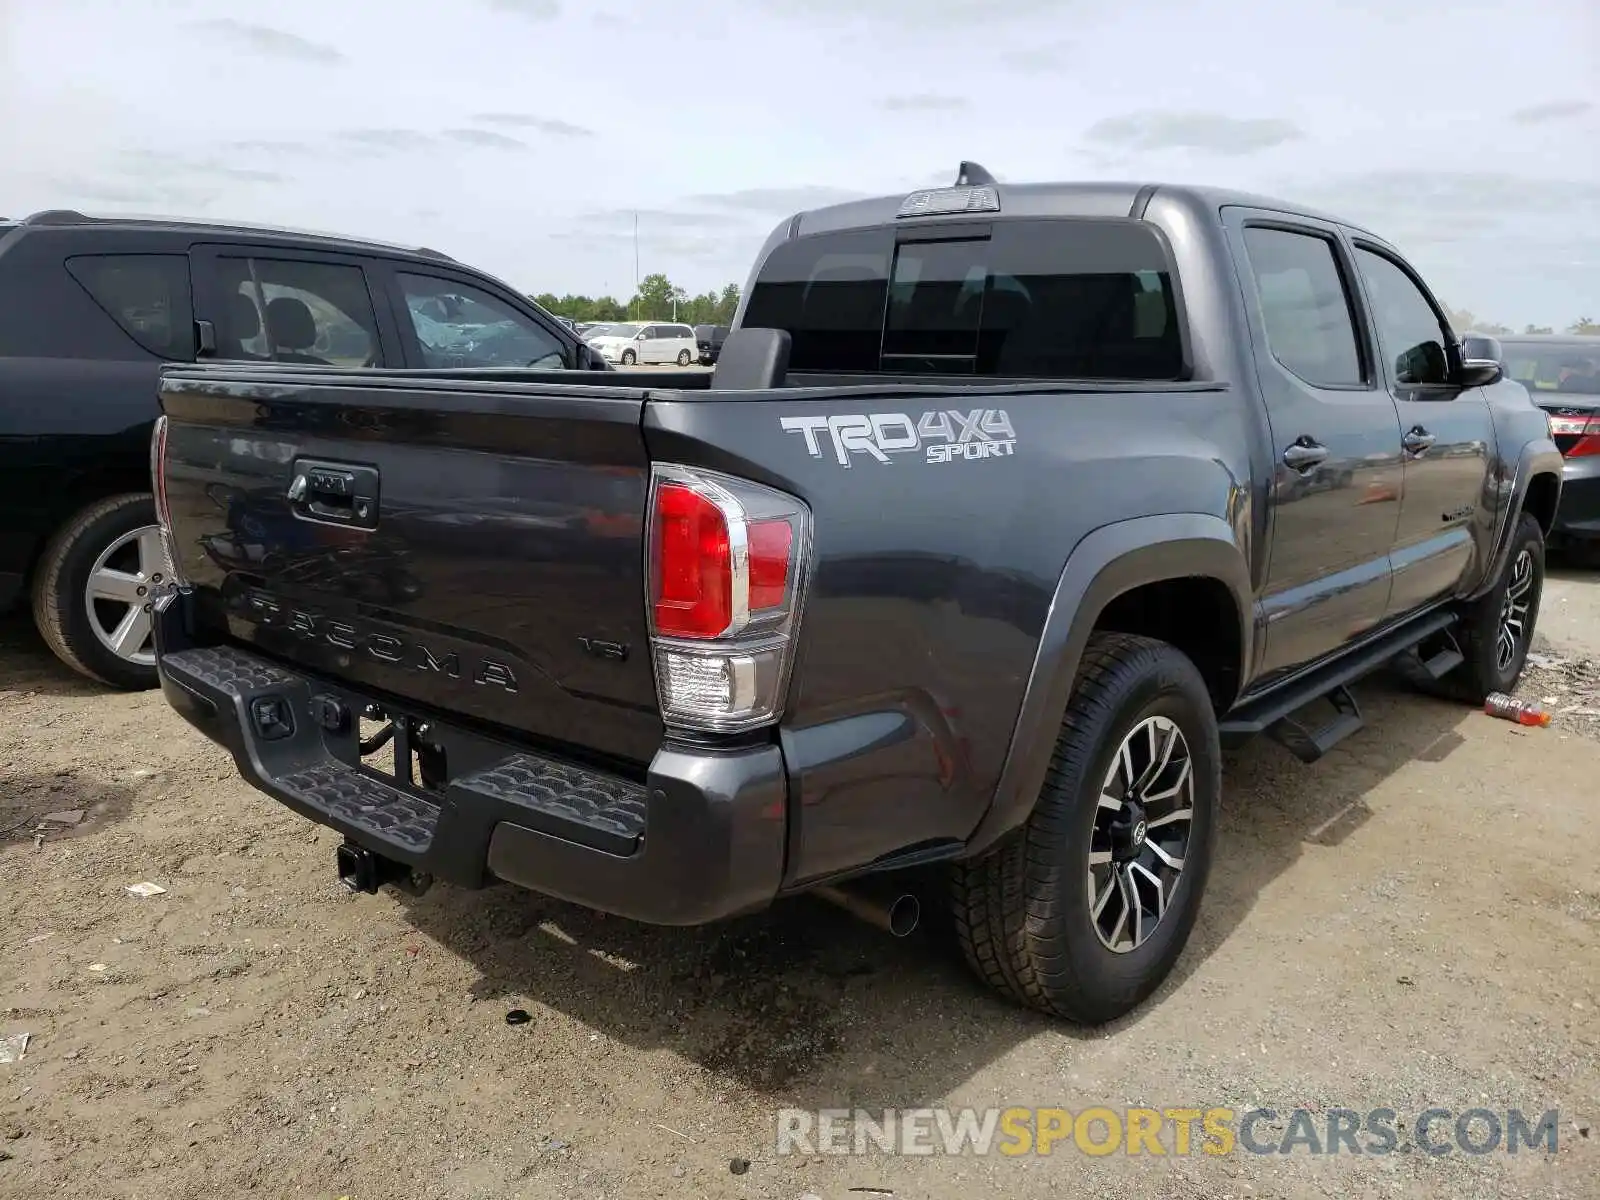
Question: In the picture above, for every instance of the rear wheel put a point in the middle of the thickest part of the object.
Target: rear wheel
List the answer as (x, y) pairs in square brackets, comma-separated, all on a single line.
[(629, 358), (683, 358), (92, 591), (1084, 912)]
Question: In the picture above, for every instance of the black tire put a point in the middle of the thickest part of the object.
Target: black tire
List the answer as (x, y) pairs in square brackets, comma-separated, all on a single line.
[(1485, 668), (60, 604), (683, 358), (629, 358), (1023, 913)]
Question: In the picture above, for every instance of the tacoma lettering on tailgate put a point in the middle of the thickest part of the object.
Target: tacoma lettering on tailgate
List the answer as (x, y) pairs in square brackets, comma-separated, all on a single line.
[(383, 647)]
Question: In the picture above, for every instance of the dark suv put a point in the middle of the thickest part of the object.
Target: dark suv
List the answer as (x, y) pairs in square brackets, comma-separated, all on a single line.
[(89, 310), (709, 339)]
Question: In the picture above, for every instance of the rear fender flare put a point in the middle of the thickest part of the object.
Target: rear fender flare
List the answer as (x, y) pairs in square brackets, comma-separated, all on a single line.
[(1109, 562), (1538, 457)]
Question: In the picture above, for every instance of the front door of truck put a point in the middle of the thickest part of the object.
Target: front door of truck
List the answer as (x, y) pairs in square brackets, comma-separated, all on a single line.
[(1335, 492), (1446, 435)]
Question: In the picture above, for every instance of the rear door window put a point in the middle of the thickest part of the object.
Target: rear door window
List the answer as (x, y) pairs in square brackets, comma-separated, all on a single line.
[(1305, 308), (295, 311), (147, 295), (1072, 299)]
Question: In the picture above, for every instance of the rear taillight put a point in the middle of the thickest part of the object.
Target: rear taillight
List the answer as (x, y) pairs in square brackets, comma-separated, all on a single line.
[(1577, 436), (727, 565), (158, 471), (158, 485)]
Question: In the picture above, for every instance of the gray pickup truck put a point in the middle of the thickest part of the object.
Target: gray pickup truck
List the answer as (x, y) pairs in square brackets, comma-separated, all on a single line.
[(1005, 508)]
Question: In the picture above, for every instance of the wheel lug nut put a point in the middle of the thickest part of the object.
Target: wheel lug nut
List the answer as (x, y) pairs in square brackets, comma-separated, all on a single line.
[(143, 590), (148, 607)]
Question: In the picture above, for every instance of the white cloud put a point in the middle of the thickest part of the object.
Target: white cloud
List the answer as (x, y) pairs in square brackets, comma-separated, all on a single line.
[(511, 133)]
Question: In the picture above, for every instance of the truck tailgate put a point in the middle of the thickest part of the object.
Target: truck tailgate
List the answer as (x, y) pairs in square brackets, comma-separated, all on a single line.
[(465, 547)]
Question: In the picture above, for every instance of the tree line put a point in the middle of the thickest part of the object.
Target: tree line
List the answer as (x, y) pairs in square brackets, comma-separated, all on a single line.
[(658, 299), (1464, 321)]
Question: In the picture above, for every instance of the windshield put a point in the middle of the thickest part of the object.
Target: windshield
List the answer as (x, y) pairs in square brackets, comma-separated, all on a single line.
[(1571, 368), (622, 331)]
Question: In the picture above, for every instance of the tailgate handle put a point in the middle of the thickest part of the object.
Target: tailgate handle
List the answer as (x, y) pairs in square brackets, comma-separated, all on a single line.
[(334, 493)]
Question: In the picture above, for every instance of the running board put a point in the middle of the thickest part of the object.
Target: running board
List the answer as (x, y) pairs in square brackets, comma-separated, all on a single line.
[(1308, 745), (1260, 714)]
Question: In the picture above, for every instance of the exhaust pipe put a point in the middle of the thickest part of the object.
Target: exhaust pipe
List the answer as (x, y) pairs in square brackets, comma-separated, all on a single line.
[(895, 912), (361, 870)]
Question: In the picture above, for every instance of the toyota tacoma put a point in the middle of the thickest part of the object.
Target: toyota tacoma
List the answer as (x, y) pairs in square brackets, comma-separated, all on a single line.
[(1005, 508)]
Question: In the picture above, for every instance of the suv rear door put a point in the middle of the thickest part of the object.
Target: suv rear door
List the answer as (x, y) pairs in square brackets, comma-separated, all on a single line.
[(267, 303), (448, 319)]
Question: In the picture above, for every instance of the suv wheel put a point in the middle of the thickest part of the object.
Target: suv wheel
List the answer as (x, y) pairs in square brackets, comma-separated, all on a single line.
[(683, 358), (629, 358), (1084, 912), (1496, 630), (91, 592)]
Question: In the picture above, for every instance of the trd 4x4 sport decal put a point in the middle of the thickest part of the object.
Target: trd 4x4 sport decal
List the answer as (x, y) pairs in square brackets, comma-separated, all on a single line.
[(948, 436)]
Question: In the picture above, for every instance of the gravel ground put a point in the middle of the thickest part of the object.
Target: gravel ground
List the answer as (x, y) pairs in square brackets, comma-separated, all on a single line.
[(1414, 921)]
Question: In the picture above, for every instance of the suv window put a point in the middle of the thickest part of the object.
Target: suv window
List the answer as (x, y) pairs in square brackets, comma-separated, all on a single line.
[(462, 326), (293, 311), (146, 294), (1304, 306), (1064, 298), (1409, 329)]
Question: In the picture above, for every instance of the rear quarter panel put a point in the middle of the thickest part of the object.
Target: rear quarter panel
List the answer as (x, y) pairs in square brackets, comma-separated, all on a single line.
[(933, 579)]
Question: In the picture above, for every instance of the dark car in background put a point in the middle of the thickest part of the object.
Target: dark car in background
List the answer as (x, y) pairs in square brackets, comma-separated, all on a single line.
[(1562, 374), (709, 339), (90, 309)]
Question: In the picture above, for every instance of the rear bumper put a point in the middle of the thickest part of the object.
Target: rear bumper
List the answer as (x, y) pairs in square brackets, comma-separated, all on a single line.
[(1578, 515), (700, 839)]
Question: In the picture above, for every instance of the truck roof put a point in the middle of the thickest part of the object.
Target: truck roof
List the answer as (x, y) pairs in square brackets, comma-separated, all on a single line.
[(68, 217), (1063, 199)]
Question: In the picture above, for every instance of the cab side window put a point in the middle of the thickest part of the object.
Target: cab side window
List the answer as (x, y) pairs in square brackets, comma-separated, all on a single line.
[(1410, 331), (1304, 306), (458, 325)]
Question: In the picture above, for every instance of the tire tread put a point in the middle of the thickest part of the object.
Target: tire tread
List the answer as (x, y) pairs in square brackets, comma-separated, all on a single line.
[(1003, 903), (50, 612)]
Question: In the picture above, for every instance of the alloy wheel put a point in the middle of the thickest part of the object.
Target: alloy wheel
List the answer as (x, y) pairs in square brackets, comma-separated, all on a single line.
[(1514, 611), (119, 594), (1142, 823)]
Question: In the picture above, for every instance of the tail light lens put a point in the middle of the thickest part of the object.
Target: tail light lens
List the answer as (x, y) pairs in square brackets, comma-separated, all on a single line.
[(727, 567), (158, 485), (1578, 436)]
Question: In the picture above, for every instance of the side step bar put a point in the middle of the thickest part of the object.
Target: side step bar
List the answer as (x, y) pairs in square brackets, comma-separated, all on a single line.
[(1275, 713)]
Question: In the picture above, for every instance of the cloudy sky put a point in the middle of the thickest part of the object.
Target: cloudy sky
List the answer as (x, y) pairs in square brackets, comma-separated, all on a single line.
[(522, 135)]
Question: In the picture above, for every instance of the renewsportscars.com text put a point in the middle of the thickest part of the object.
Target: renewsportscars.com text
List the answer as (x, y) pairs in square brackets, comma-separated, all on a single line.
[(1177, 1131)]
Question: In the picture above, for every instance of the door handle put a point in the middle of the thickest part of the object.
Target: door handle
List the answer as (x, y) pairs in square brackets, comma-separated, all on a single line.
[(1417, 440), (1303, 454)]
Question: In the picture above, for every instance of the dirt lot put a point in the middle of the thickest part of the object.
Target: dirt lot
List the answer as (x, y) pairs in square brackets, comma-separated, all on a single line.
[(1414, 921)]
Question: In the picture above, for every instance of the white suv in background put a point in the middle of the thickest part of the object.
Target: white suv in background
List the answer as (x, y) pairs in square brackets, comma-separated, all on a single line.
[(636, 342)]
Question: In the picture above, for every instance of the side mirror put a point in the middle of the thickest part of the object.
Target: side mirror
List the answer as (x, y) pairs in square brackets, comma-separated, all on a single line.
[(640, 338), (1482, 361)]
